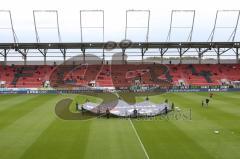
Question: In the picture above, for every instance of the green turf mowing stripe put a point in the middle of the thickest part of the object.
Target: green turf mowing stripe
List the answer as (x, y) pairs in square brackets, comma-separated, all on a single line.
[(203, 129), (21, 134), (222, 145), (102, 139), (215, 110), (210, 114), (40, 134), (81, 98), (185, 100), (135, 131), (62, 139), (113, 139), (202, 132), (235, 95), (8, 101), (222, 96), (223, 104), (13, 113), (229, 98), (4, 97), (164, 140)]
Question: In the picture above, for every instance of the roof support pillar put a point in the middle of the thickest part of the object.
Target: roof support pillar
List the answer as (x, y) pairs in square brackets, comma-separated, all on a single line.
[(237, 56), (218, 55), (25, 56), (5, 56), (180, 53), (200, 56), (45, 56), (123, 56), (64, 52), (84, 56)]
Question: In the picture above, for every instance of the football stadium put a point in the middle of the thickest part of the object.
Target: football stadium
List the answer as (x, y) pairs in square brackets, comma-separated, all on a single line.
[(100, 97)]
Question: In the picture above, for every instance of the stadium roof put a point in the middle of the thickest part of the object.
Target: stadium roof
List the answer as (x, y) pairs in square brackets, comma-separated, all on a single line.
[(105, 45)]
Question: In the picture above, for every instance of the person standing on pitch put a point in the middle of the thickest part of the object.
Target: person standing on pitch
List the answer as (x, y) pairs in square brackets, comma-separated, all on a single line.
[(207, 101), (76, 106), (173, 107), (135, 113), (165, 110), (211, 95), (82, 109), (98, 111), (147, 98), (107, 113), (202, 103)]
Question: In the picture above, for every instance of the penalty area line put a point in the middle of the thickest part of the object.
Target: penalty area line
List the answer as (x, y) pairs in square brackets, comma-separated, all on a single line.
[(135, 131)]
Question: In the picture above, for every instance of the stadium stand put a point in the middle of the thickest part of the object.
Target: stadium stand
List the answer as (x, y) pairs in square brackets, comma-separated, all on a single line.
[(24, 76), (104, 75)]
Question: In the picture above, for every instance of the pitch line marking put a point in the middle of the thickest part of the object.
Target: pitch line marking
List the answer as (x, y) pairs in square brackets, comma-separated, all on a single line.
[(146, 154)]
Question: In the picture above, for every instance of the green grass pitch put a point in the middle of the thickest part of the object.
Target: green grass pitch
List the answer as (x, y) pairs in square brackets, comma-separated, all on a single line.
[(30, 129)]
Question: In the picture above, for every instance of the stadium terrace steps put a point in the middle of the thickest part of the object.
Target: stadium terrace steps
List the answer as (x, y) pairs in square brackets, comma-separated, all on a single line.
[(57, 76), (76, 75), (24, 76), (104, 78), (118, 75)]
